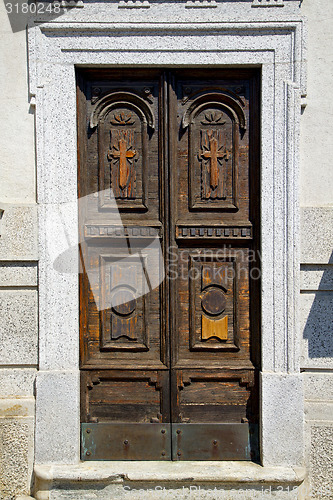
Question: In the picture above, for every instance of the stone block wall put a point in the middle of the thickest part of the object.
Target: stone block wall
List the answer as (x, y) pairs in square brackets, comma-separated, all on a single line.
[(18, 268), (18, 354), (317, 356)]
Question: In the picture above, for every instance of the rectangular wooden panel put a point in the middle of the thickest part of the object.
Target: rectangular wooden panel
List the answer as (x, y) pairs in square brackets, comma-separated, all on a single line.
[(125, 396), (124, 325), (212, 396), (123, 318), (212, 295)]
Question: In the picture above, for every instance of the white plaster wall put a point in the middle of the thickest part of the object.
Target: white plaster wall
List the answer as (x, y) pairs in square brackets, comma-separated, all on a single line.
[(18, 267), (316, 123), (17, 132)]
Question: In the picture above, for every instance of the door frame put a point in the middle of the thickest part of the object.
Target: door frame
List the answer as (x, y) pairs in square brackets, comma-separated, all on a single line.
[(277, 47)]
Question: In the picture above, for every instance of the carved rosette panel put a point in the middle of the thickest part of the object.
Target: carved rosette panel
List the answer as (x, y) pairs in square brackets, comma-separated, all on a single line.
[(123, 324), (213, 303)]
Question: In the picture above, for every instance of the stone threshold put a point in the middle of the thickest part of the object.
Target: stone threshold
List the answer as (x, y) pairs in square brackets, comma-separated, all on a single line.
[(169, 472)]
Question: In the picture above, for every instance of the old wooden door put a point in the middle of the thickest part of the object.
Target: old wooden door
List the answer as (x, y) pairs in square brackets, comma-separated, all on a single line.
[(169, 317)]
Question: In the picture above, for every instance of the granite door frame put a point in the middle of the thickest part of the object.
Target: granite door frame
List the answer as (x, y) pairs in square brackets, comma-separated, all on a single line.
[(55, 49)]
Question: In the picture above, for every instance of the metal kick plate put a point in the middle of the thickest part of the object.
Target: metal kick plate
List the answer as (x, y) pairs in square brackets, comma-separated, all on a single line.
[(108, 441), (214, 441)]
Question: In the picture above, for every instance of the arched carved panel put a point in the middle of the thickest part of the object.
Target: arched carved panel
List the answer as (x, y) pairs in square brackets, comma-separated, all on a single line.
[(106, 102), (226, 97), (123, 120), (215, 121)]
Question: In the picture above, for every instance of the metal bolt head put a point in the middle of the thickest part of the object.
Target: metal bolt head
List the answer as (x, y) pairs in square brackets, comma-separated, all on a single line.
[(126, 441), (215, 442), (178, 453), (163, 431), (163, 453), (88, 453), (178, 431), (88, 431)]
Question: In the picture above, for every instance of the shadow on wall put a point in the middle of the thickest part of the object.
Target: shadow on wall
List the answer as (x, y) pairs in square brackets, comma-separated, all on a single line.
[(317, 295)]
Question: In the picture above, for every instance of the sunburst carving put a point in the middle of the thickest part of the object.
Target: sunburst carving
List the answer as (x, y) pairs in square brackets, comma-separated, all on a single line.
[(213, 118), (122, 119)]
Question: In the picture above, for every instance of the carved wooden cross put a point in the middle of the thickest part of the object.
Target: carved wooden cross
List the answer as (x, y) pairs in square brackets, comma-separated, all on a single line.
[(214, 153), (123, 153)]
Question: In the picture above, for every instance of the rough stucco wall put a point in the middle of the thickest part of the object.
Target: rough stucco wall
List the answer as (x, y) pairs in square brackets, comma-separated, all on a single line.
[(317, 251), (16, 440), (18, 267), (321, 463)]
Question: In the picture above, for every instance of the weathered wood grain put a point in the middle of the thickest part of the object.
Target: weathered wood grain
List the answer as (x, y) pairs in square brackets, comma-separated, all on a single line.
[(180, 151)]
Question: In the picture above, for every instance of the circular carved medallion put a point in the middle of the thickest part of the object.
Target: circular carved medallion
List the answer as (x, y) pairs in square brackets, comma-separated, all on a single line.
[(213, 301), (123, 302)]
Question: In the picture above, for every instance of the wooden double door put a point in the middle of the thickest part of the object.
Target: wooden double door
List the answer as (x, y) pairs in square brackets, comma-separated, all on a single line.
[(170, 288)]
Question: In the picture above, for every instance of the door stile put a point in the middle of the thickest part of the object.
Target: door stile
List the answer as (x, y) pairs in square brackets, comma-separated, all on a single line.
[(173, 249), (81, 191), (164, 217), (255, 189)]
